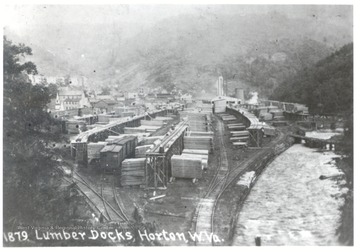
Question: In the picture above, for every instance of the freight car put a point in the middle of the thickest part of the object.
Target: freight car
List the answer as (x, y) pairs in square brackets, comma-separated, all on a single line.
[(128, 143), (112, 155)]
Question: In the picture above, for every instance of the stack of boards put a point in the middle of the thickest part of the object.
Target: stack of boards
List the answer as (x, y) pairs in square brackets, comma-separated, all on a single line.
[(277, 115), (140, 151), (239, 134), (220, 106), (150, 140), (227, 117), (189, 165), (198, 119), (152, 122), (141, 129), (198, 142), (133, 172), (239, 138)]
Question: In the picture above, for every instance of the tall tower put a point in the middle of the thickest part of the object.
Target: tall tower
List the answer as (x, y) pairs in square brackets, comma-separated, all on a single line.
[(220, 86)]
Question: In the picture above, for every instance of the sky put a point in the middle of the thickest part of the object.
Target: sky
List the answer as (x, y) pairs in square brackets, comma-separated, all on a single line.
[(19, 18)]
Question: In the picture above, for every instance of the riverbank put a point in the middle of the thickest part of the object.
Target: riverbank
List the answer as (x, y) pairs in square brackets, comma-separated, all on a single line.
[(231, 201), (346, 228)]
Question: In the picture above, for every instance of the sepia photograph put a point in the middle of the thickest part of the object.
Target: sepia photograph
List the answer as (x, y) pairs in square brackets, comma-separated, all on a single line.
[(177, 125)]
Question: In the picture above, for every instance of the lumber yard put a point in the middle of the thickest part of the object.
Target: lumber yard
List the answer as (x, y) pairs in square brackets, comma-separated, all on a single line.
[(176, 166)]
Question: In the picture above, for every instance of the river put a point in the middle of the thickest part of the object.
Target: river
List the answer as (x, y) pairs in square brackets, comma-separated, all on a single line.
[(289, 204)]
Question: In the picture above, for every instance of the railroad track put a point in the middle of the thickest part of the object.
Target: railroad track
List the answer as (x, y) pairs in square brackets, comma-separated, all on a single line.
[(204, 215), (118, 202), (97, 199)]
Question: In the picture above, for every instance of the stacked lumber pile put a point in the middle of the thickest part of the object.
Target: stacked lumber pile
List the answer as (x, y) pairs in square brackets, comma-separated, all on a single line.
[(269, 131), (205, 107), (163, 118), (140, 129), (199, 133), (236, 126), (197, 125), (239, 133), (140, 151), (198, 120), (152, 122), (186, 167), (133, 171), (240, 144), (227, 117), (198, 142), (239, 138), (278, 115), (150, 139), (93, 150), (203, 154), (140, 136), (134, 130), (220, 106), (266, 116), (112, 139)]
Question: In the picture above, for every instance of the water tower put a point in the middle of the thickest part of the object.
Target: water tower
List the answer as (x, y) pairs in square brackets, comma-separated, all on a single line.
[(239, 94)]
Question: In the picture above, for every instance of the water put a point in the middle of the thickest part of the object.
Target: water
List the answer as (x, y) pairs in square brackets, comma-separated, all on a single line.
[(290, 205)]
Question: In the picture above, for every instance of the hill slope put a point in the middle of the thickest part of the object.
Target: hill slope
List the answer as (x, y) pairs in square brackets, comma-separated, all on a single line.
[(254, 51), (327, 87)]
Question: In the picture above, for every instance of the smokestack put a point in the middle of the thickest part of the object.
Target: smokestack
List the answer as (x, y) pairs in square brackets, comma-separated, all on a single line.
[(220, 86)]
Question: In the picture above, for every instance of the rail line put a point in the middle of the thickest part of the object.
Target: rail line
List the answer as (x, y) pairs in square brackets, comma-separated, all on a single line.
[(204, 215), (98, 200), (117, 201)]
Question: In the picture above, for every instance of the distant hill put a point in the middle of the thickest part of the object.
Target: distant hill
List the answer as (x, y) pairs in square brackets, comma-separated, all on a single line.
[(48, 63), (326, 87), (257, 52)]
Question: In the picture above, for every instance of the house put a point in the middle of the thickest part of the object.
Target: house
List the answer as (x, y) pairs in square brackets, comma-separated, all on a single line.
[(186, 97), (105, 105), (131, 95), (164, 97), (55, 104), (104, 97), (73, 99)]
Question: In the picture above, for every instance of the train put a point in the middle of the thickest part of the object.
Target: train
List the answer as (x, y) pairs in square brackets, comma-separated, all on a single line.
[(112, 155)]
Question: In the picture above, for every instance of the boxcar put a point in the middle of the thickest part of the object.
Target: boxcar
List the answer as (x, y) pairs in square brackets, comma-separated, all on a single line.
[(111, 157), (128, 143)]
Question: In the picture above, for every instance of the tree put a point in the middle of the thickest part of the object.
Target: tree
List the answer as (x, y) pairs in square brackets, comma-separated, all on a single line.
[(11, 60), (30, 187), (53, 90), (105, 91)]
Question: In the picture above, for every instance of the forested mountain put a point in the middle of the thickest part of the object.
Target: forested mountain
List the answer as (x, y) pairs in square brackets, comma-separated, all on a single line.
[(256, 51), (327, 87)]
